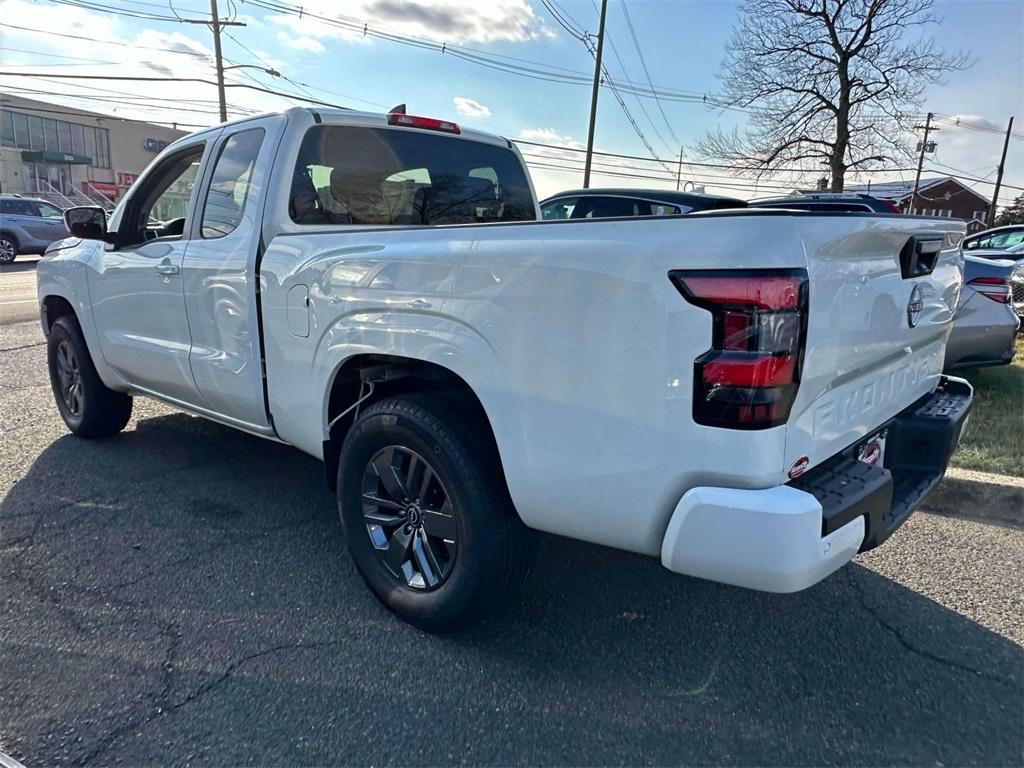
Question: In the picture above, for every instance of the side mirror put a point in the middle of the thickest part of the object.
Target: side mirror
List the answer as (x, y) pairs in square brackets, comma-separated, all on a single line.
[(971, 245), (88, 222)]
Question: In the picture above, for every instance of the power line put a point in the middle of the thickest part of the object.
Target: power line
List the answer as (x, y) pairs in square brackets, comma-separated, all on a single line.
[(118, 100), (114, 117), (177, 80), (639, 101), (958, 122), (105, 42), (55, 56), (691, 162), (643, 63)]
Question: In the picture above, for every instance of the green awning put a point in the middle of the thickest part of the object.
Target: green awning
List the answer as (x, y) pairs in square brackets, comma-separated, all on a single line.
[(48, 156)]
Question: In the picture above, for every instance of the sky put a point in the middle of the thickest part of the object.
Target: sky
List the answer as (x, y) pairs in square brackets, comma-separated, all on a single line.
[(680, 42)]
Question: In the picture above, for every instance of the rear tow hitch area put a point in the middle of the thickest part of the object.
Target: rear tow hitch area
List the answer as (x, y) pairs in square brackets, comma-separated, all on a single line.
[(918, 444)]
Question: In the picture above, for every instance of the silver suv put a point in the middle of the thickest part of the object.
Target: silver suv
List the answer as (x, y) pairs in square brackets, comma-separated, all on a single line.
[(28, 225)]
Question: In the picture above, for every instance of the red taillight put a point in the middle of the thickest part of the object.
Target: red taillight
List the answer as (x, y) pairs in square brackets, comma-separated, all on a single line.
[(995, 288), (749, 377), (427, 123), (891, 206)]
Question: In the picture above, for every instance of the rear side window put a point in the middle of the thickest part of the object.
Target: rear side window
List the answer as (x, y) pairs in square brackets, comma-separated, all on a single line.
[(1000, 240), (607, 207), (19, 208), (397, 176), (229, 187), (558, 210)]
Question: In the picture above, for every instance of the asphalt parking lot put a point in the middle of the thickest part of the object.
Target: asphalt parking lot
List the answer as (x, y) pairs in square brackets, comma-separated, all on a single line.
[(18, 290), (181, 594)]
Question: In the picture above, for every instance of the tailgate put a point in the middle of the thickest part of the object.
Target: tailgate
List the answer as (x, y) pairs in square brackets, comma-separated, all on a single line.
[(882, 295)]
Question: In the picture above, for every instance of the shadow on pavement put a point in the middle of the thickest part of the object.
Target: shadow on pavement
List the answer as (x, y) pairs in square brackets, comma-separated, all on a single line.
[(182, 593), (21, 264)]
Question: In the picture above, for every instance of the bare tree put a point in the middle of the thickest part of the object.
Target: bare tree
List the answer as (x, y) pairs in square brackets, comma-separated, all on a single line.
[(827, 82)]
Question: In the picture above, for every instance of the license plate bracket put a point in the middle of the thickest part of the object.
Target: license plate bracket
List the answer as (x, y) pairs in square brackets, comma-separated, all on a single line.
[(872, 450)]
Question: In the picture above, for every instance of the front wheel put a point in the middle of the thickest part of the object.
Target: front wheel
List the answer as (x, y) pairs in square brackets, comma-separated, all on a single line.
[(426, 513), (8, 249), (85, 403)]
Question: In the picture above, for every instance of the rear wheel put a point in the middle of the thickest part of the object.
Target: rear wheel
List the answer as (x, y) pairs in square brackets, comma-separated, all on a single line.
[(85, 403), (8, 248), (427, 515)]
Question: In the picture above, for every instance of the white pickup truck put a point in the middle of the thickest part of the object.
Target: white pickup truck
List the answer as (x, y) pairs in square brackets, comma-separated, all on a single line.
[(753, 396)]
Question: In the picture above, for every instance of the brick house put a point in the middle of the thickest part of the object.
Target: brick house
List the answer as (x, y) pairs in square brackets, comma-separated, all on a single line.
[(936, 196)]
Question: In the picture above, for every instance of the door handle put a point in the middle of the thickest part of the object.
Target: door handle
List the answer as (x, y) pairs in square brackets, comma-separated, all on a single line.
[(168, 269)]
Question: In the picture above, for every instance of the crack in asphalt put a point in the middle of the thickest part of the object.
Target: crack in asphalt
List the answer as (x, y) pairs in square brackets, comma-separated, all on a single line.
[(909, 646), (23, 346), (203, 690)]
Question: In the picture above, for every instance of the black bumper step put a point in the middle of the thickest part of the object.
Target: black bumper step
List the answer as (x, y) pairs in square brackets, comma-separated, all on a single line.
[(919, 442)]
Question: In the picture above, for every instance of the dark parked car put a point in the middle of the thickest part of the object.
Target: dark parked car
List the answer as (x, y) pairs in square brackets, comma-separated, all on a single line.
[(988, 314), (829, 201), (28, 225), (606, 203)]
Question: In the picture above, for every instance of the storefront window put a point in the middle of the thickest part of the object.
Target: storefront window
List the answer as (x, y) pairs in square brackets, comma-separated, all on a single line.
[(78, 139), (64, 137), (35, 131), (7, 129), (50, 132), (90, 143), (21, 138), (102, 148)]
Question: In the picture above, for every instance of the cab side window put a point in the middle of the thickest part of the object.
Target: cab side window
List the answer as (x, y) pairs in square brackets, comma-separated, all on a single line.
[(229, 187), (158, 207)]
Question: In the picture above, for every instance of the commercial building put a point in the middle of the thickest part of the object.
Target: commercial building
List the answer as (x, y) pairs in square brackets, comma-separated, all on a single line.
[(72, 156)]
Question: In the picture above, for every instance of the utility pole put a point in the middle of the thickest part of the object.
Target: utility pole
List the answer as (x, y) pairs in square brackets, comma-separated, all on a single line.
[(593, 96), (999, 175), (220, 62), (679, 171), (216, 25), (920, 159)]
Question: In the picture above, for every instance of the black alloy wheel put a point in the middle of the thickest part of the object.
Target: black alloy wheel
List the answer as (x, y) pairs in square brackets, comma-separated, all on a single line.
[(409, 518), (69, 375)]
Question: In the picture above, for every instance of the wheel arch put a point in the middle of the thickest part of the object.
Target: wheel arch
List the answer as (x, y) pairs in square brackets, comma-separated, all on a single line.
[(392, 375), (53, 307)]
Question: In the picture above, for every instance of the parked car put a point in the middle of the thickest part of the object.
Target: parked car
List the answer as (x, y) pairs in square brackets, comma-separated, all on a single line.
[(988, 314), (829, 202), (998, 239), (742, 395), (603, 203), (1013, 252), (28, 225)]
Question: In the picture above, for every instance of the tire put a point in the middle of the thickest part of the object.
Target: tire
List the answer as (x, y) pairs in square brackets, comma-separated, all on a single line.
[(479, 556), (8, 248), (87, 406)]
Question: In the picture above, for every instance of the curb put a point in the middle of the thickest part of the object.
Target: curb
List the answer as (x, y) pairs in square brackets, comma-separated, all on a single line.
[(984, 496)]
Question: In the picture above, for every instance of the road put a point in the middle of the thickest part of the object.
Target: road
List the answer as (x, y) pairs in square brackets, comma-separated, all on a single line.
[(181, 594), (18, 291)]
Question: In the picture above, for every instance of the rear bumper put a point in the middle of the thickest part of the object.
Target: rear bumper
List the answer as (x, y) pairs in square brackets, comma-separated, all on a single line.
[(987, 337), (787, 538)]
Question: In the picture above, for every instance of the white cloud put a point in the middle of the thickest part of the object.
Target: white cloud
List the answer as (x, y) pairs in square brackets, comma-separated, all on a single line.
[(301, 43), (452, 21), (550, 136), (147, 52), (470, 108)]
